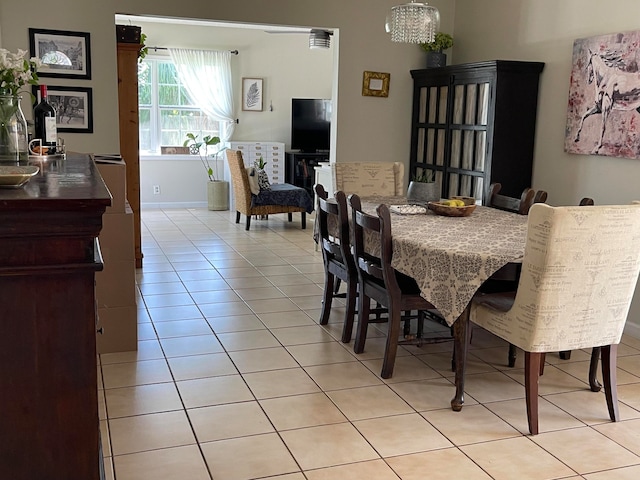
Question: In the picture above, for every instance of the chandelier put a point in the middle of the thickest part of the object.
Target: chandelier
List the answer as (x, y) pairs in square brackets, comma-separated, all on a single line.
[(413, 23)]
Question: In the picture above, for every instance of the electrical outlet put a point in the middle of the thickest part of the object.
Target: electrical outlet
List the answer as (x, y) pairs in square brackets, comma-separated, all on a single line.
[(156, 189)]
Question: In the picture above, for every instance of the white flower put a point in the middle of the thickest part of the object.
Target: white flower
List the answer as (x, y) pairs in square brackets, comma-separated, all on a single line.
[(16, 71)]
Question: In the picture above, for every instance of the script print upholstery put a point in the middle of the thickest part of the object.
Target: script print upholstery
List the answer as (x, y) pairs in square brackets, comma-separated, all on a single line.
[(578, 276), (369, 178)]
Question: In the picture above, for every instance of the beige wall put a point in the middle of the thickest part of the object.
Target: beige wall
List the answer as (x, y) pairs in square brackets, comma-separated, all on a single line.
[(544, 30), (367, 127)]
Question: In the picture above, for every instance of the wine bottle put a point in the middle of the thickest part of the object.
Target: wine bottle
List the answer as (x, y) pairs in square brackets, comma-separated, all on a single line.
[(45, 123)]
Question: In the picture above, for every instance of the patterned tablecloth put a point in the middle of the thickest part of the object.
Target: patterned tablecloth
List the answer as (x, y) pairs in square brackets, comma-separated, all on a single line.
[(450, 257)]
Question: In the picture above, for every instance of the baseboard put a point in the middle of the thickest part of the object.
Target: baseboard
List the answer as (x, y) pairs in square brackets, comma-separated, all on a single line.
[(632, 329), (154, 205)]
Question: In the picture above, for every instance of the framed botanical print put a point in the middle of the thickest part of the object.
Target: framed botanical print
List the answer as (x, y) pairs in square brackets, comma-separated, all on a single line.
[(252, 94)]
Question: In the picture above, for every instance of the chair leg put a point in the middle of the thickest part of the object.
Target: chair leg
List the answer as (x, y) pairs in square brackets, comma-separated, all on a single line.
[(565, 354), (395, 319), (303, 220), (290, 216), (513, 353), (542, 359), (363, 321), (609, 355), (531, 371), (327, 298), (237, 217), (352, 294), (594, 384), (420, 327), (248, 222)]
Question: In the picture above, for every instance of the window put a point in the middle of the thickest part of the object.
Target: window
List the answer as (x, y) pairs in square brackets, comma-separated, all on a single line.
[(166, 113)]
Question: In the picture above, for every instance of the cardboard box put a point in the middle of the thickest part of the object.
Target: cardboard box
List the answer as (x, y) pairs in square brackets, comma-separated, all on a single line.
[(116, 284), (116, 237), (115, 177), (119, 329)]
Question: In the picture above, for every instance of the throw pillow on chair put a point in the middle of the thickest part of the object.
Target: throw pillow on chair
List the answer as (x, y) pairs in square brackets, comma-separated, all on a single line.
[(263, 179)]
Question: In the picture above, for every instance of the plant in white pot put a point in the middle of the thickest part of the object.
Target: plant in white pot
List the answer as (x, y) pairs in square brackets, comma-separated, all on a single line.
[(435, 57), (423, 188), (217, 190)]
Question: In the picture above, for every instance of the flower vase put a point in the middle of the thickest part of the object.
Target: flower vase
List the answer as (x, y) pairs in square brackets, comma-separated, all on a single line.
[(13, 130), (421, 193), (218, 195)]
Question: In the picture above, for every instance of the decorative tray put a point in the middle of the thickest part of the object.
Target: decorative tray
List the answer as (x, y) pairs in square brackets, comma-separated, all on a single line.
[(443, 208), (56, 156), (16, 176), (408, 209)]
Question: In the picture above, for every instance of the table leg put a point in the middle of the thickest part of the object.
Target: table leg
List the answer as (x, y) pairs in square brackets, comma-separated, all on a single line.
[(461, 337)]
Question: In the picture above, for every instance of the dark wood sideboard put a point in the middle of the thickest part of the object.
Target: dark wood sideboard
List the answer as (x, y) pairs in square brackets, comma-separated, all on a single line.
[(49, 254)]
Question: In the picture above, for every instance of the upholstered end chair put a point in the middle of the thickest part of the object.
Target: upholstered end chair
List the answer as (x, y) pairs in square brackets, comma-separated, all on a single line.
[(369, 178), (282, 198), (578, 277)]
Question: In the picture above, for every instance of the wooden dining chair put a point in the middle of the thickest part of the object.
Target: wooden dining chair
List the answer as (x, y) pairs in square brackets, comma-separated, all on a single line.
[(591, 251), (337, 258), (518, 205), (378, 280)]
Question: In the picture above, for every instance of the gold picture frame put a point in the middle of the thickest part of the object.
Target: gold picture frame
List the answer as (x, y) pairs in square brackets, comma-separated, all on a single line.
[(375, 84)]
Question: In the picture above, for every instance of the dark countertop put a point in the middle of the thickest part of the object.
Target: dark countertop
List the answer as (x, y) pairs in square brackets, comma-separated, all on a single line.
[(61, 184)]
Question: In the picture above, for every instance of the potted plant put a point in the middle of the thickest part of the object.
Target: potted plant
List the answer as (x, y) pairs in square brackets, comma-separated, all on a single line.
[(435, 57), (423, 188), (217, 190)]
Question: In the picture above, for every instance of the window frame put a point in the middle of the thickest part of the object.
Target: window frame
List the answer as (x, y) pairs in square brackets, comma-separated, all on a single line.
[(155, 109)]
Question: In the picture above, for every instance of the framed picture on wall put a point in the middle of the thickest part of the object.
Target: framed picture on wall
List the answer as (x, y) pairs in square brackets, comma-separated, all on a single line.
[(63, 54), (375, 84), (252, 94), (73, 106)]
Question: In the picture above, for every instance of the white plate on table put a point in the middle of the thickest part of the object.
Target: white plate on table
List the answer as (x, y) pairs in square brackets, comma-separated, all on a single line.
[(408, 209), (16, 176)]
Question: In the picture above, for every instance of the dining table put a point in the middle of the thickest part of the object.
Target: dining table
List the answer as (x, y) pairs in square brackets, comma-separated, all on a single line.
[(450, 257)]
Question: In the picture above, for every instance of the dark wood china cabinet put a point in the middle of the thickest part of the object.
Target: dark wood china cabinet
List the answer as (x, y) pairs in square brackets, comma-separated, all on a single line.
[(474, 124)]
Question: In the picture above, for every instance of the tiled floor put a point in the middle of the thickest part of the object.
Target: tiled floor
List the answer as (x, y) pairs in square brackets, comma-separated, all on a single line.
[(234, 379)]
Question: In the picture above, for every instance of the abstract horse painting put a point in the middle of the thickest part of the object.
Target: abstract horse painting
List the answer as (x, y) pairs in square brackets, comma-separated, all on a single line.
[(603, 117)]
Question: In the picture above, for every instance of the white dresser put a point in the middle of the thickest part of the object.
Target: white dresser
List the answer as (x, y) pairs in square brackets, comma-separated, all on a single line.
[(271, 152)]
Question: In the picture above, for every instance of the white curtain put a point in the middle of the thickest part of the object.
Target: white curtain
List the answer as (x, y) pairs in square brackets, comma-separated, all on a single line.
[(206, 76)]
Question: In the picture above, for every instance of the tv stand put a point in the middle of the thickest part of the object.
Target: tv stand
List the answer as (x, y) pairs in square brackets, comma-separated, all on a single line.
[(300, 168)]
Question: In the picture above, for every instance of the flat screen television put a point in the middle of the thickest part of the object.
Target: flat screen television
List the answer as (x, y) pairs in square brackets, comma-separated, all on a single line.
[(310, 124)]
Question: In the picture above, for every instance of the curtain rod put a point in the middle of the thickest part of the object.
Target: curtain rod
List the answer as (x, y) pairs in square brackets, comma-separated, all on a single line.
[(233, 52)]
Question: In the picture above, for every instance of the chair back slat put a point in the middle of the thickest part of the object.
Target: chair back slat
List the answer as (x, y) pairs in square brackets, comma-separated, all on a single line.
[(374, 232), (541, 196), (333, 228), (511, 204)]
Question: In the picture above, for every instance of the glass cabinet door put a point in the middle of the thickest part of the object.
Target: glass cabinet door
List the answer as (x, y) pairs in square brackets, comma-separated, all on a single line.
[(468, 133), (451, 134), (432, 129)]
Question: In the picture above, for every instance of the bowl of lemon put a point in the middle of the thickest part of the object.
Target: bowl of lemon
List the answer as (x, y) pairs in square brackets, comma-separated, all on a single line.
[(457, 206)]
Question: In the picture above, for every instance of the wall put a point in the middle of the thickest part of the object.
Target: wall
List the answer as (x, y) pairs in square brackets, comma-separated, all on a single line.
[(367, 127), (544, 30)]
